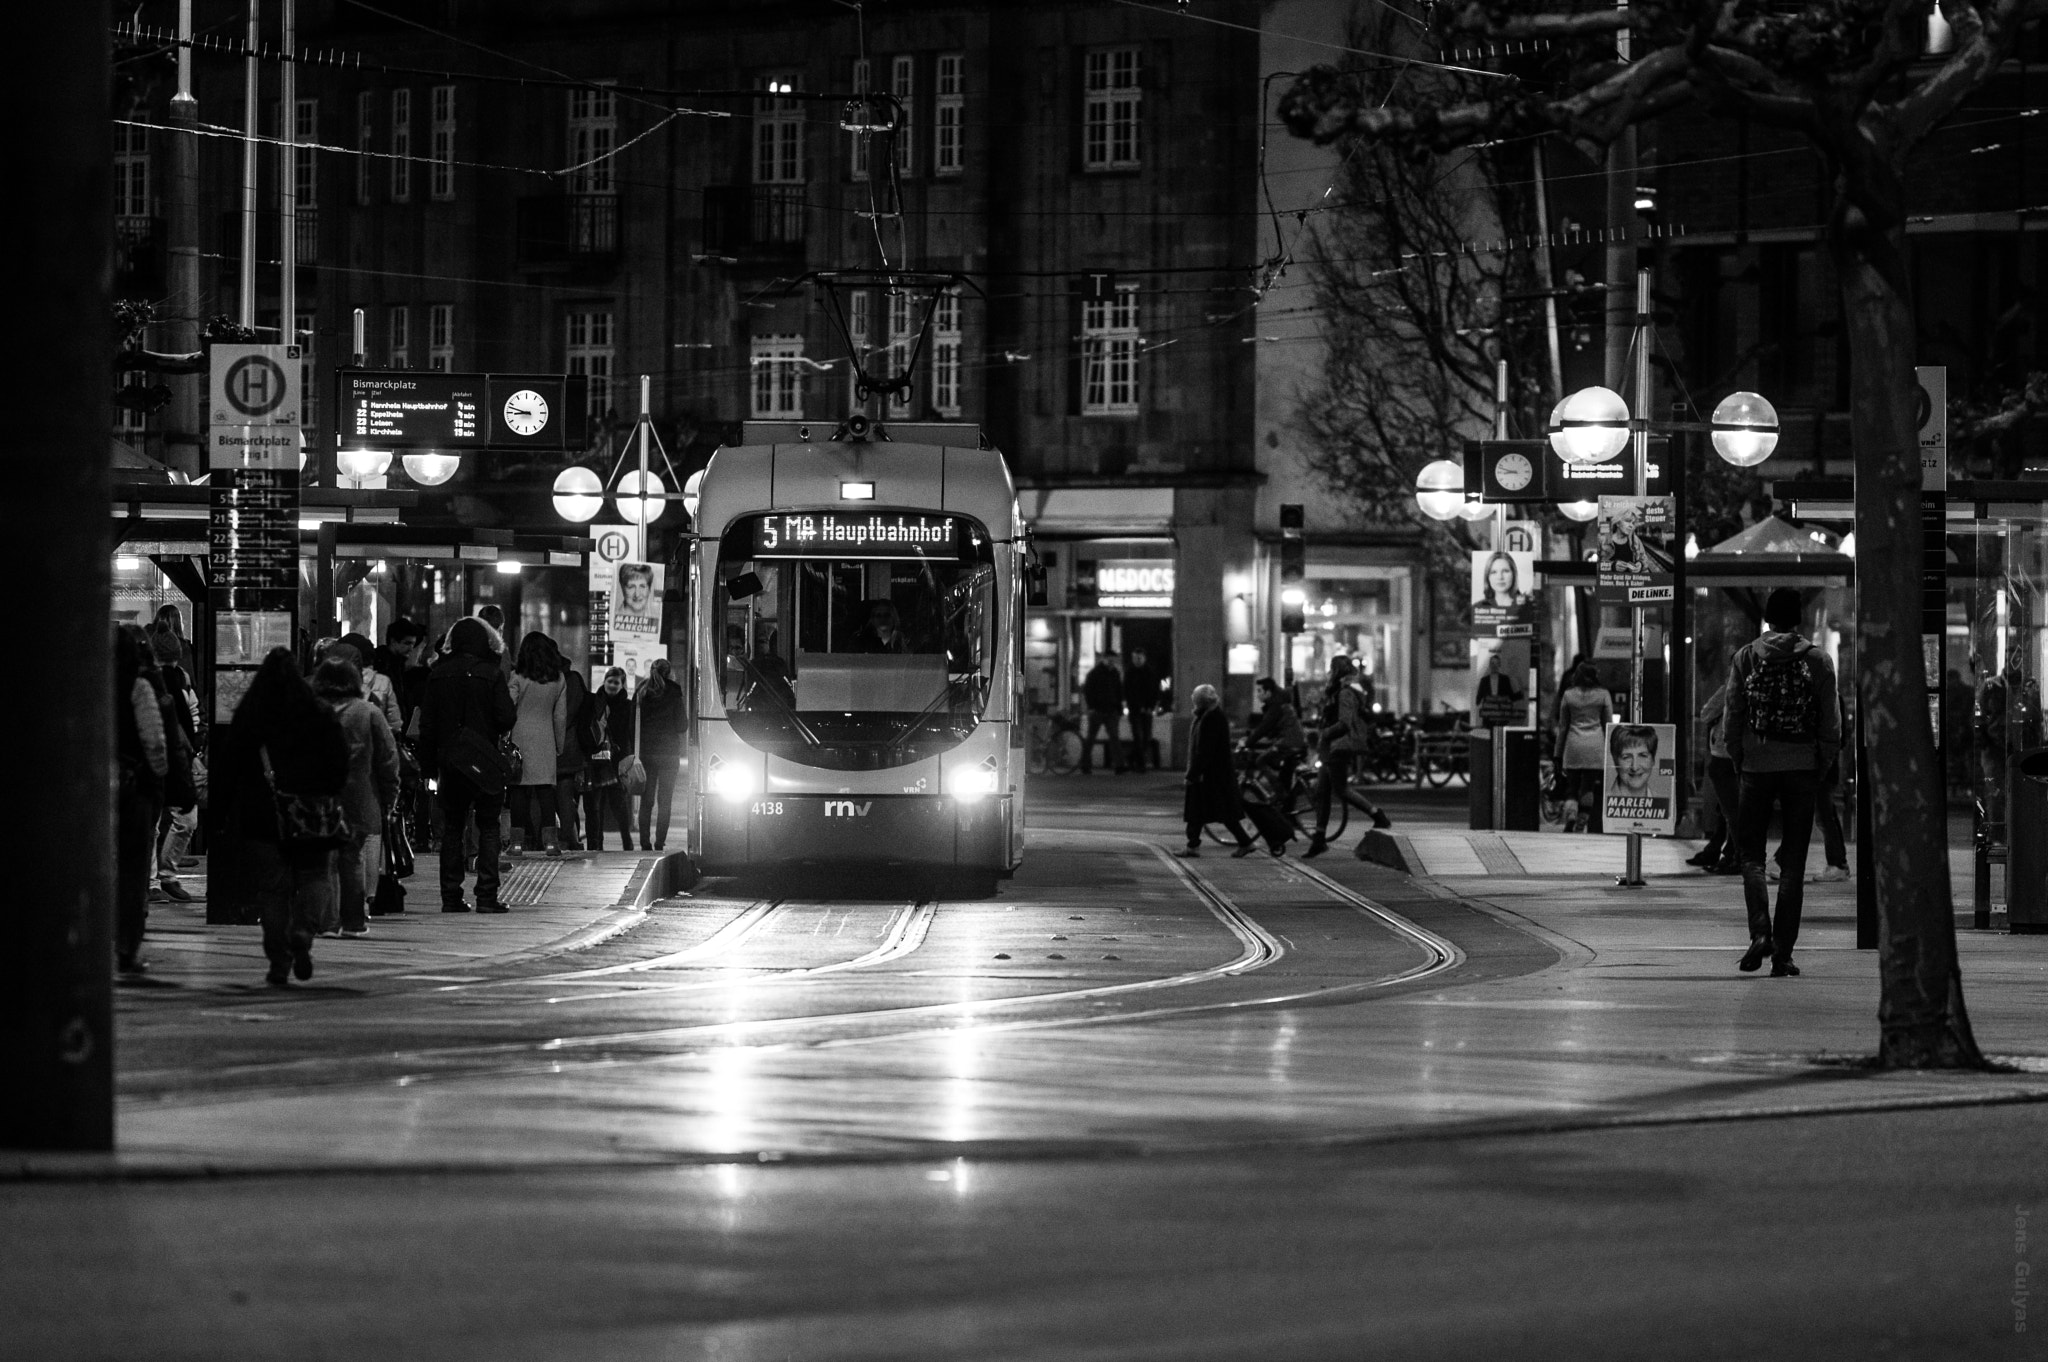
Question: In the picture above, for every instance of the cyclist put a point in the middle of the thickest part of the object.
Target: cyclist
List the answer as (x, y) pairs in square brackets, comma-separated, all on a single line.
[(1344, 733), (1278, 740)]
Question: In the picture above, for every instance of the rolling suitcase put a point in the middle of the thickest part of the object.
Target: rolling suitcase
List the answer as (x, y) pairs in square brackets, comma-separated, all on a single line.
[(1271, 824)]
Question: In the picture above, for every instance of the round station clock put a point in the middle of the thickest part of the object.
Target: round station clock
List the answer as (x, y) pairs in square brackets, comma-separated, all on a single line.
[(1513, 472), (526, 412)]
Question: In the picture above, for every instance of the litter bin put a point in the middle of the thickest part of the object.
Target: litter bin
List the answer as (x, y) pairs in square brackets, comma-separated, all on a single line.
[(2026, 862)]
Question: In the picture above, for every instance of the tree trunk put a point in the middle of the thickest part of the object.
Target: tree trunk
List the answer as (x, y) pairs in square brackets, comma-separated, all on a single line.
[(1921, 1019)]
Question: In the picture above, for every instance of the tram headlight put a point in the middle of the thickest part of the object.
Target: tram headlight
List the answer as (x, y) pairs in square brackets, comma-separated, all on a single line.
[(971, 782), (730, 782)]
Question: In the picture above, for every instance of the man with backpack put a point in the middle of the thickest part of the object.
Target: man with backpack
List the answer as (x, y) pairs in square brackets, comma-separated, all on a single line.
[(1344, 735), (1784, 731)]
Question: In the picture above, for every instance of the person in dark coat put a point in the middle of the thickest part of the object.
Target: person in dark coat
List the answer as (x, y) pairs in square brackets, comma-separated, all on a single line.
[(1102, 691), (660, 702), (1212, 777), (466, 710), (283, 740), (1141, 702), (571, 765), (607, 730), (142, 764)]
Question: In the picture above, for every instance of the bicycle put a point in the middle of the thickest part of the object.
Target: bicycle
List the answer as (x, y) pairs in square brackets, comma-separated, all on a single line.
[(1053, 745)]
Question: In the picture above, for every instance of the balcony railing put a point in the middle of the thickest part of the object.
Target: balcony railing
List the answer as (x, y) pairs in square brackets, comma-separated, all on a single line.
[(754, 219), (568, 227)]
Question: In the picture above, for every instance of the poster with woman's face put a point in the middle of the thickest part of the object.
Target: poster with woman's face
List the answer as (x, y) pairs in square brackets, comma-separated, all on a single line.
[(636, 602), (1503, 591), (1639, 779)]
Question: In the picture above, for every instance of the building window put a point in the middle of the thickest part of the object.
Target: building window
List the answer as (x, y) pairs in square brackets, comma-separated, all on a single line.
[(309, 387), (593, 134), (1109, 114), (131, 174), (947, 106), (1109, 355), (902, 336), (132, 420), (441, 336), (401, 337), (862, 74), (778, 376), (590, 353), (778, 133), (305, 132), (946, 354), (441, 184), (401, 146), (903, 85), (860, 325), (366, 165)]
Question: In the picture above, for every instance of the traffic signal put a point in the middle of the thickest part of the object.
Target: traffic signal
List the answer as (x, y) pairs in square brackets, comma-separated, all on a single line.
[(1293, 567)]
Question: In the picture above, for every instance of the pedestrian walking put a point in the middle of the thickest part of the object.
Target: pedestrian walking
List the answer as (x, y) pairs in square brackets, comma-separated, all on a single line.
[(572, 765), (1784, 731), (1344, 735), (1102, 691), (1718, 856), (660, 726), (371, 788), (1211, 795), (283, 768), (1584, 709), (539, 728), (607, 743), (1141, 703), (142, 762), (466, 711), (185, 768)]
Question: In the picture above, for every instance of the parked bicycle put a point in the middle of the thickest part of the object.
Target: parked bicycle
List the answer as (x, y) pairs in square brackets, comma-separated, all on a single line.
[(1052, 745)]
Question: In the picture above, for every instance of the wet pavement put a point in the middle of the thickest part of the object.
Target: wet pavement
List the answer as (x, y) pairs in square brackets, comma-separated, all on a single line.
[(1125, 1106)]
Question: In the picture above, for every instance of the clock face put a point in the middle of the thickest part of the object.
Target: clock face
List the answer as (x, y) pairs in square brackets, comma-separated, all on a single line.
[(526, 411), (1513, 472)]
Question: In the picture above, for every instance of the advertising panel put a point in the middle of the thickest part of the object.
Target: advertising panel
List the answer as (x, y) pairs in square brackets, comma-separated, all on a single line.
[(1504, 595), (635, 618), (1635, 549), (1639, 779)]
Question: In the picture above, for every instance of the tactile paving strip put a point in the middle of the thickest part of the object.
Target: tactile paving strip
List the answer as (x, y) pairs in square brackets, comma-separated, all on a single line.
[(526, 882)]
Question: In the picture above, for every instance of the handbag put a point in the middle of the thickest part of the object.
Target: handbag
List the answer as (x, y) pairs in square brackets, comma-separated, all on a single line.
[(515, 760), (306, 822), (389, 898), (399, 860), (631, 771)]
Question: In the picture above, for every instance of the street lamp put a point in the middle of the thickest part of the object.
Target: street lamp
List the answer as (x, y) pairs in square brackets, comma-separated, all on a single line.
[(360, 465), (1440, 490), (1590, 426), (431, 469), (1745, 429), (640, 497), (1581, 511), (579, 496), (692, 494)]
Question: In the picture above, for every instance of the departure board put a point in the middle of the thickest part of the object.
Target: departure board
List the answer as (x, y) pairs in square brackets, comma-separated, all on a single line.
[(420, 410)]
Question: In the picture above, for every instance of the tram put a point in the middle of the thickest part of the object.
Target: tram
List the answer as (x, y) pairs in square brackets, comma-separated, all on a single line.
[(856, 609)]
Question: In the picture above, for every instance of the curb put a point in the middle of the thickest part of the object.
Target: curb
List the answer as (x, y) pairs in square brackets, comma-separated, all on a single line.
[(651, 881), (1389, 849)]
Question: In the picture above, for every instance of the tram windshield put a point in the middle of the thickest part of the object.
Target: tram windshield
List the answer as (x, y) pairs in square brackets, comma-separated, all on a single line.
[(855, 640)]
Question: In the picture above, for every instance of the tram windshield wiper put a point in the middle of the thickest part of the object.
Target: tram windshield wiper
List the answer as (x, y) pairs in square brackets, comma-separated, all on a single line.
[(765, 687), (944, 696)]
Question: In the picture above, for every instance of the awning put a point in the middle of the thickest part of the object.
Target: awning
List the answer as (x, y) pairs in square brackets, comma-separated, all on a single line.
[(1097, 510)]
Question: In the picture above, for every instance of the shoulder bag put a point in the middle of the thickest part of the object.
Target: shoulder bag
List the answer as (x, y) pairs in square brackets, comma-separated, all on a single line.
[(305, 822)]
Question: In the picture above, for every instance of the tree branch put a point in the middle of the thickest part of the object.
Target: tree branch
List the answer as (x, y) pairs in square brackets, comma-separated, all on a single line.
[(1984, 36)]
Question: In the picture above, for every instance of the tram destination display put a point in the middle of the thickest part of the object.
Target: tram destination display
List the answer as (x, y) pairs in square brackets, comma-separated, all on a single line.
[(864, 534), (454, 413)]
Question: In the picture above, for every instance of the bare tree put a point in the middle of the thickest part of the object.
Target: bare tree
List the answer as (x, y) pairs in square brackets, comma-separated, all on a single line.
[(1852, 77), (1416, 297)]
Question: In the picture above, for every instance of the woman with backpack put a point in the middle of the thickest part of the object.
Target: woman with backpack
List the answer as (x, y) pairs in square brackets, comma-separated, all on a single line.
[(1344, 736)]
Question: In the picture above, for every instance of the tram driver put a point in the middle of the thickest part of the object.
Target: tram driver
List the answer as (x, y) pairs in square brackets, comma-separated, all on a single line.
[(883, 632)]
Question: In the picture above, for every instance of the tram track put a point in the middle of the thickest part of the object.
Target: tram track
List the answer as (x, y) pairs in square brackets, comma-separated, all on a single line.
[(1259, 949)]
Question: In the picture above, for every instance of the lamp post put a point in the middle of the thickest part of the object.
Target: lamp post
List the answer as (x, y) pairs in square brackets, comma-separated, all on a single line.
[(1595, 424)]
